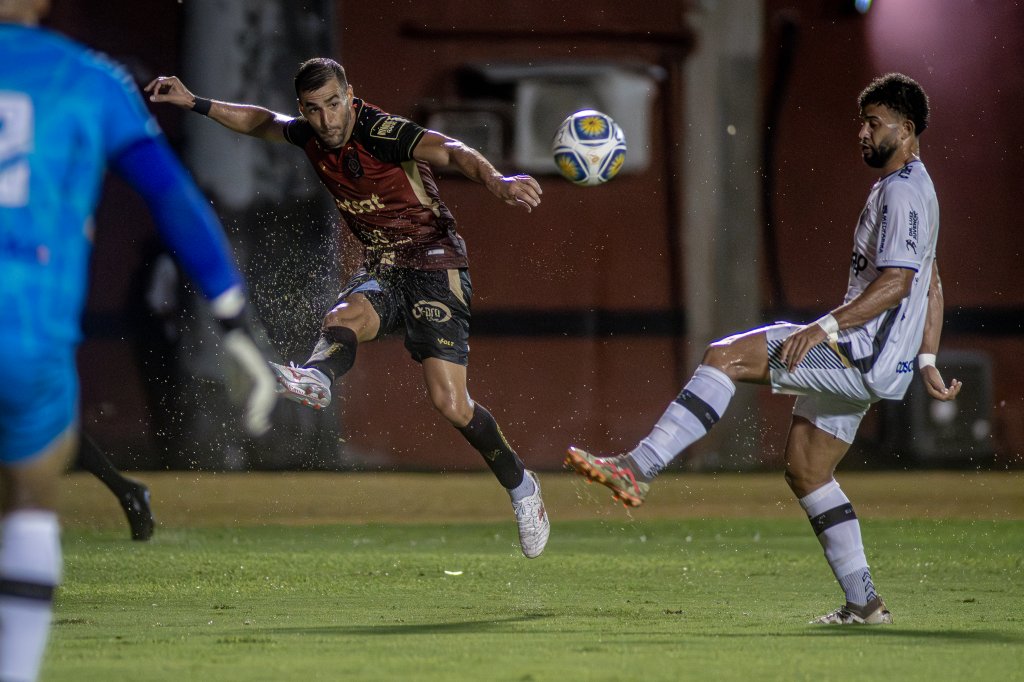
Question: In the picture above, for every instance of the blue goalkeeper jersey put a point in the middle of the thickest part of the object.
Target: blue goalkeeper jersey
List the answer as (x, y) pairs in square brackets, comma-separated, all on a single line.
[(68, 113)]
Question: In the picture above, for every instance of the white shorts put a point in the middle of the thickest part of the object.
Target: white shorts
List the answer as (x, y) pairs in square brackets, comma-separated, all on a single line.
[(833, 394)]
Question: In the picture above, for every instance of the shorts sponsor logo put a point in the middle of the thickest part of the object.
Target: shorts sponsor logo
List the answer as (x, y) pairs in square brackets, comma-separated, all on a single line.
[(431, 311), (905, 367), (387, 128)]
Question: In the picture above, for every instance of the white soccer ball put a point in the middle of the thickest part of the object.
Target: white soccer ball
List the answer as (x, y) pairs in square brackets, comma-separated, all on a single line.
[(589, 148)]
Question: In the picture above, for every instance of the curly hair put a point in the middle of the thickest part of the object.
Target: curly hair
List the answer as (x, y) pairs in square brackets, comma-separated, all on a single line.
[(900, 93), (317, 72)]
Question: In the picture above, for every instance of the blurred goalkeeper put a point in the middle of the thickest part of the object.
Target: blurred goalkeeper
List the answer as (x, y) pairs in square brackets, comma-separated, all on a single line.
[(861, 352), (415, 276), (68, 114)]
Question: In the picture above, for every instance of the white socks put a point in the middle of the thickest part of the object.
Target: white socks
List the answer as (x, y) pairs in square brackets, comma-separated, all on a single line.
[(838, 531), (30, 567), (524, 489), (687, 419)]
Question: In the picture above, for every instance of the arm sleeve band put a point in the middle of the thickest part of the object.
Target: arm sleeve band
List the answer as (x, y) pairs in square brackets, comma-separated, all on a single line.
[(184, 219)]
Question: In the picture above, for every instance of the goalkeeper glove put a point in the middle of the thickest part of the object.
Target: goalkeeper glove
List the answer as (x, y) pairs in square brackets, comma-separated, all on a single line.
[(240, 343)]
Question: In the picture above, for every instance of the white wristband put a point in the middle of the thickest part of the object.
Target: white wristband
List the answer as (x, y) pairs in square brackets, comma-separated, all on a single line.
[(925, 360), (831, 327)]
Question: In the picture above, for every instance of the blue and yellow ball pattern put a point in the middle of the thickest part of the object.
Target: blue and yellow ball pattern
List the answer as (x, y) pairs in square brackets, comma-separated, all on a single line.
[(589, 148)]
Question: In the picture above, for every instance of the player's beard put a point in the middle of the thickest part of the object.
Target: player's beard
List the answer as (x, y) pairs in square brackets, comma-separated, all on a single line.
[(878, 157), (332, 142)]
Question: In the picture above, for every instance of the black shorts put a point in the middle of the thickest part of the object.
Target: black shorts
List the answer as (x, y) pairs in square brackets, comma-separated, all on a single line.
[(433, 306)]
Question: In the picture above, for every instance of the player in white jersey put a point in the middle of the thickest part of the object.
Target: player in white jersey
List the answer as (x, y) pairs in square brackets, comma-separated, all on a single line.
[(838, 365)]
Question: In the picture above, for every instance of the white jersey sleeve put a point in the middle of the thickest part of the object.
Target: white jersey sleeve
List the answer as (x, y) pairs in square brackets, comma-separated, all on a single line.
[(904, 234)]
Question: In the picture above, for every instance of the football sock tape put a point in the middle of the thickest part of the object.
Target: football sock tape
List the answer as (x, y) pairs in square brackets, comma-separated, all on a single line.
[(335, 352)]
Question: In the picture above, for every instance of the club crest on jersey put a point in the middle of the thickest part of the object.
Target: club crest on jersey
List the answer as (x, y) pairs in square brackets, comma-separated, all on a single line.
[(387, 128), (351, 165), (431, 311)]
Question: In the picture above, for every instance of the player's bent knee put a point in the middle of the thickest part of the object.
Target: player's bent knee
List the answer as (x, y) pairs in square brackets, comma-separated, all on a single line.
[(722, 356), (803, 483), (344, 315), (457, 412)]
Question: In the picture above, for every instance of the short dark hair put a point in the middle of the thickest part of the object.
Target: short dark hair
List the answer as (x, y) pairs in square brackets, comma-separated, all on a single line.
[(900, 93), (317, 72)]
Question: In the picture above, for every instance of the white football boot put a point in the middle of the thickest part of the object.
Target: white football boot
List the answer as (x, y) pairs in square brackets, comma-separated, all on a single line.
[(302, 385), (532, 518), (872, 613)]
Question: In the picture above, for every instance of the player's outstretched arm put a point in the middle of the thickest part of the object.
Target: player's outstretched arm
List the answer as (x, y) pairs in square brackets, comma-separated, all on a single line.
[(933, 381), (247, 119), (885, 292), (444, 152)]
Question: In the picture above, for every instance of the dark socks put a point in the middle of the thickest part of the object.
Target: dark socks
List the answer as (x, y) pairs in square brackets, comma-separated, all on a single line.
[(92, 459), (335, 352), (483, 433)]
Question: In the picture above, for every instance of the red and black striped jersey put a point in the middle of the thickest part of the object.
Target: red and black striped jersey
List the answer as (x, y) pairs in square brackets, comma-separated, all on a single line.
[(387, 198)]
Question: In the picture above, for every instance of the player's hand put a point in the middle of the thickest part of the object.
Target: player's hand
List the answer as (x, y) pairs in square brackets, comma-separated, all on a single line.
[(170, 89), (519, 190), (799, 343), (260, 387), (936, 387)]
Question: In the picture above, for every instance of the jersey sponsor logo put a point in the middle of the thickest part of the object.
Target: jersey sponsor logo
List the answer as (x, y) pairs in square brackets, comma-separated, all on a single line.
[(431, 311), (906, 171), (905, 367), (883, 227), (446, 342), (858, 263), (371, 205), (387, 128), (913, 221)]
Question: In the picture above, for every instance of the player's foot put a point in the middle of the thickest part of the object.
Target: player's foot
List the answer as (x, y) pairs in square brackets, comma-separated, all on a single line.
[(135, 502), (616, 473), (302, 385), (872, 613), (532, 518)]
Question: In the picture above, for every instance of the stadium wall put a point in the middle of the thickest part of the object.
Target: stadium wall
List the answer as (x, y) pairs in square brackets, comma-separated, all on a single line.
[(578, 334)]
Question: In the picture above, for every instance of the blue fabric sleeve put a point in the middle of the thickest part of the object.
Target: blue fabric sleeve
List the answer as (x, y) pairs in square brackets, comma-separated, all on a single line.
[(184, 219), (126, 119)]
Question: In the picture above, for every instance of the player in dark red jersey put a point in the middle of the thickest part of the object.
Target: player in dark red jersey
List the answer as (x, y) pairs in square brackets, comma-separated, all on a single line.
[(415, 274)]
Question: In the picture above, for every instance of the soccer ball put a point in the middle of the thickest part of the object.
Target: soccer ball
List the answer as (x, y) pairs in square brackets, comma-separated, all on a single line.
[(589, 148)]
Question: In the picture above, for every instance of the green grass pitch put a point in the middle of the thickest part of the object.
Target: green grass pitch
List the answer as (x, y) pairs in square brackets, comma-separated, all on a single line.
[(613, 598)]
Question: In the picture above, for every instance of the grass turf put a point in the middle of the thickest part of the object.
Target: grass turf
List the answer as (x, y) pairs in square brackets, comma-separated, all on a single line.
[(611, 599)]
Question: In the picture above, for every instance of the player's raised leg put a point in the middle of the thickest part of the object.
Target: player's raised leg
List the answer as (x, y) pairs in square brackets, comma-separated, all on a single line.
[(688, 418), (446, 386), (352, 321), (812, 454)]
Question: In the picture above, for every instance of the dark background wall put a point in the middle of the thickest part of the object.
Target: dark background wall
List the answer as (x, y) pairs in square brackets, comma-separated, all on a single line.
[(576, 334)]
